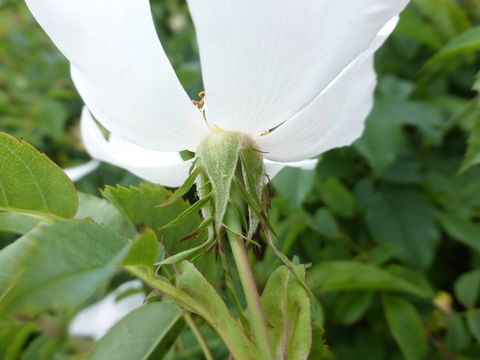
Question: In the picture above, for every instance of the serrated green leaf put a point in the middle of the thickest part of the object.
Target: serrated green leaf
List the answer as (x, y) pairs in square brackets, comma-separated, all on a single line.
[(104, 213), (467, 288), (352, 275), (287, 309), (145, 333), (32, 183), (58, 266), (406, 327), (139, 206)]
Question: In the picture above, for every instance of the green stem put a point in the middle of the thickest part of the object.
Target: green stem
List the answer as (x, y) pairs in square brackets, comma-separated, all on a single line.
[(257, 318), (201, 340)]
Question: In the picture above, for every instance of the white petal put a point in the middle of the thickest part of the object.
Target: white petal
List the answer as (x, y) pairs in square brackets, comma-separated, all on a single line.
[(121, 70), (97, 319), (335, 118), (265, 60), (273, 168), (166, 168), (78, 172)]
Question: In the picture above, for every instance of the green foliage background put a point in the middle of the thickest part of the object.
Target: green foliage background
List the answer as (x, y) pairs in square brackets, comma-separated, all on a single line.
[(390, 224)]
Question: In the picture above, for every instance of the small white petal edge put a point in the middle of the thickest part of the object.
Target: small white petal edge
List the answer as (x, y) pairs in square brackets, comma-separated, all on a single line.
[(165, 168), (95, 320), (76, 173), (272, 168)]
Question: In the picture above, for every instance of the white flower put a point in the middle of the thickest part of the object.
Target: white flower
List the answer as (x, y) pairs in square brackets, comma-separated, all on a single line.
[(95, 320), (301, 67), (77, 172)]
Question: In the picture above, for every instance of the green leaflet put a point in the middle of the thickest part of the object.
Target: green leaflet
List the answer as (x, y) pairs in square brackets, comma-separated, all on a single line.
[(287, 311), (104, 213), (466, 42), (352, 275), (143, 250), (467, 288), (406, 327), (140, 206), (458, 337), (399, 218), (351, 306), (145, 333), (31, 183), (473, 322), (16, 223), (294, 184), (211, 305), (58, 266)]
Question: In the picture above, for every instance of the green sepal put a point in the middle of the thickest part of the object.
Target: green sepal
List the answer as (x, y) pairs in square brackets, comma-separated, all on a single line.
[(193, 209), (182, 190), (290, 265), (218, 157), (253, 173), (187, 254)]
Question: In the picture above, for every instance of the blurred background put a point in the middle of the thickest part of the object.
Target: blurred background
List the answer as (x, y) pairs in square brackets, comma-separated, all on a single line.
[(390, 224)]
